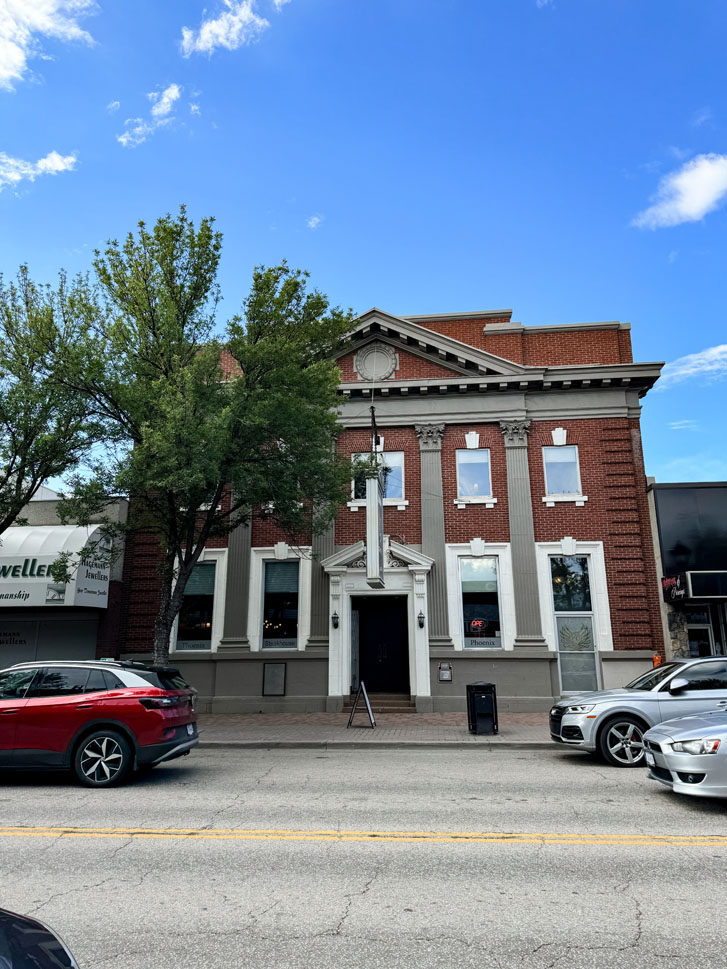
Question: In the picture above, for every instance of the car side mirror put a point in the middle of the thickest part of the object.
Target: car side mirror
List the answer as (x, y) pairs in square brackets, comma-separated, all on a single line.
[(678, 684)]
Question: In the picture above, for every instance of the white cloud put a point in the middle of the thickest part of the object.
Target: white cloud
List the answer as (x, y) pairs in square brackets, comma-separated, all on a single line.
[(709, 364), (686, 425), (679, 153), (702, 117), (14, 170), (688, 194), (234, 27), (137, 130), (279, 4), (543, 3), (314, 221), (22, 22), (113, 106), (163, 103), (194, 109)]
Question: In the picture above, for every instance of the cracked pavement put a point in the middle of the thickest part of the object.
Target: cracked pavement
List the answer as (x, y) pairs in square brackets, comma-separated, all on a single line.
[(125, 902)]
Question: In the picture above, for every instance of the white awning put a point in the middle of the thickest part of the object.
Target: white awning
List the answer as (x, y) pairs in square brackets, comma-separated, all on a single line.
[(27, 552)]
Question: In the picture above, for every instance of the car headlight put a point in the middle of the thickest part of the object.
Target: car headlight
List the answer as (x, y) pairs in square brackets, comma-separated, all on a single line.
[(580, 708), (706, 746)]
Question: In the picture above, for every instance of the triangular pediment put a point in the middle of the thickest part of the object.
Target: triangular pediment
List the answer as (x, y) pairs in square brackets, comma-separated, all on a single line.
[(376, 326), (395, 556)]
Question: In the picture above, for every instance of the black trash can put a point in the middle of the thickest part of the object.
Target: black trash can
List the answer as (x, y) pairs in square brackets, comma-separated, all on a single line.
[(482, 708)]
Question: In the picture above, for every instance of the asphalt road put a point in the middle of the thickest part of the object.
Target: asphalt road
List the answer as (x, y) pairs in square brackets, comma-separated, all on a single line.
[(370, 858)]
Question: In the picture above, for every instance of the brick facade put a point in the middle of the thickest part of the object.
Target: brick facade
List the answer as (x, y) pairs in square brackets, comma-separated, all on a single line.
[(475, 521), (616, 513), (599, 412), (405, 524)]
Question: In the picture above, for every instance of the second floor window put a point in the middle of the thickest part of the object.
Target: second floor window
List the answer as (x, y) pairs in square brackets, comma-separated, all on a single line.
[(394, 462), (473, 473), (562, 475)]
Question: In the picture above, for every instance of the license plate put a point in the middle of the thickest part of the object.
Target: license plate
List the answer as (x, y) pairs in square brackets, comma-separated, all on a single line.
[(650, 759), (190, 729)]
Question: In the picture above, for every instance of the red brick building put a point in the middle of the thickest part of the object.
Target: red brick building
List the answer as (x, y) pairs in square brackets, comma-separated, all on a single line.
[(518, 547)]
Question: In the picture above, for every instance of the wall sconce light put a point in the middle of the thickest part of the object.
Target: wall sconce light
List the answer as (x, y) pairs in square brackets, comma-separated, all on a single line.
[(420, 618), (334, 620)]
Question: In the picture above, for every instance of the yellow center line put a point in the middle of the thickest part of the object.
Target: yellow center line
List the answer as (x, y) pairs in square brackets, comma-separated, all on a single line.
[(430, 837)]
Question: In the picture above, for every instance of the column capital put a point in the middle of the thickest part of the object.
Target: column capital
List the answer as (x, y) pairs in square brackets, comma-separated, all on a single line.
[(430, 436), (515, 433)]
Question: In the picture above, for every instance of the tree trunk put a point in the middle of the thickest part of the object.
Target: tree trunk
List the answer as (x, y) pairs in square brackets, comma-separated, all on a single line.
[(163, 624), (170, 604)]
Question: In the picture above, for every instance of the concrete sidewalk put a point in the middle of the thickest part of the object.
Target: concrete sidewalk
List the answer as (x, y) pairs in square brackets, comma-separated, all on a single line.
[(517, 730)]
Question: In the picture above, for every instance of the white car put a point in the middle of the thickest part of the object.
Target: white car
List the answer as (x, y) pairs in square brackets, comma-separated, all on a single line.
[(689, 754)]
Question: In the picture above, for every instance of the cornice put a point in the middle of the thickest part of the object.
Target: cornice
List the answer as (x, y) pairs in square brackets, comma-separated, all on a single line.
[(632, 376), (471, 315)]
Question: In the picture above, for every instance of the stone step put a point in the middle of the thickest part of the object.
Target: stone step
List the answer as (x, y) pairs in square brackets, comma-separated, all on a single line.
[(383, 703), (382, 712)]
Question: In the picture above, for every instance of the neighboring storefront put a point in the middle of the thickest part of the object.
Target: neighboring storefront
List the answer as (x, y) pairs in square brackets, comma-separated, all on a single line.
[(43, 619), (515, 543), (692, 547)]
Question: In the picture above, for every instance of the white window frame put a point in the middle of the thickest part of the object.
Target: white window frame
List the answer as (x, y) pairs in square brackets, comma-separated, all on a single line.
[(487, 500), (400, 503), (506, 593), (577, 498), (219, 557), (278, 553), (602, 635)]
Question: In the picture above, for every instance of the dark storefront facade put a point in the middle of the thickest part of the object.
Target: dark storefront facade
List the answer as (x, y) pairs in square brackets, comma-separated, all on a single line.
[(692, 529)]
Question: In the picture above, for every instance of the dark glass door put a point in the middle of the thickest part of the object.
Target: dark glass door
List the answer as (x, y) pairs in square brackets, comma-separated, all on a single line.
[(383, 643)]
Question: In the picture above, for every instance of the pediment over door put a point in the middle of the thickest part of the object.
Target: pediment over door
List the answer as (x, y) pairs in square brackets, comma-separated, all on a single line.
[(396, 556)]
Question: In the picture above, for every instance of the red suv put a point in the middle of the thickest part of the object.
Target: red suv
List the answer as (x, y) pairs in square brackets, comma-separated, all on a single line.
[(100, 720)]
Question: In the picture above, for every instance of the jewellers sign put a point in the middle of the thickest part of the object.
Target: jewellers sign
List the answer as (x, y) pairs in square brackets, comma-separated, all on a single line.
[(674, 588), (25, 579)]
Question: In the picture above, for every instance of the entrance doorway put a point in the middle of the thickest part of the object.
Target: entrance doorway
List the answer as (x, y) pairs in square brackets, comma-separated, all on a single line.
[(380, 644)]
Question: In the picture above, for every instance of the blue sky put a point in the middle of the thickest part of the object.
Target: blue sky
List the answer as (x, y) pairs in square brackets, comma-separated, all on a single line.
[(566, 158)]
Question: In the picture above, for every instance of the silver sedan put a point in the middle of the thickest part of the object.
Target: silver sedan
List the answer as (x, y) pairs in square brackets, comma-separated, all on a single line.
[(613, 722), (689, 754)]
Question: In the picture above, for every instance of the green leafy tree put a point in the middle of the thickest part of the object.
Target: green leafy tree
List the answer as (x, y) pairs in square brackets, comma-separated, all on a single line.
[(201, 428), (45, 428)]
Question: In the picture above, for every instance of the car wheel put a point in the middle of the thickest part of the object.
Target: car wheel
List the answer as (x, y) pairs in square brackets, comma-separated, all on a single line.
[(102, 759), (622, 742)]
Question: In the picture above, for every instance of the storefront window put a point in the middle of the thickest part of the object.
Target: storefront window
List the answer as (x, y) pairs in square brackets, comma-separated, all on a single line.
[(480, 603), (473, 473), (280, 606), (573, 608), (571, 585), (194, 630)]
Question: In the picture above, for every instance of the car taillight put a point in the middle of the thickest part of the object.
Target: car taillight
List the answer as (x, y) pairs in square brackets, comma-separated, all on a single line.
[(162, 702)]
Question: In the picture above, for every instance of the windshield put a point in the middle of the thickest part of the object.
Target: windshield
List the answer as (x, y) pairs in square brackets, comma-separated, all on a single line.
[(650, 679)]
